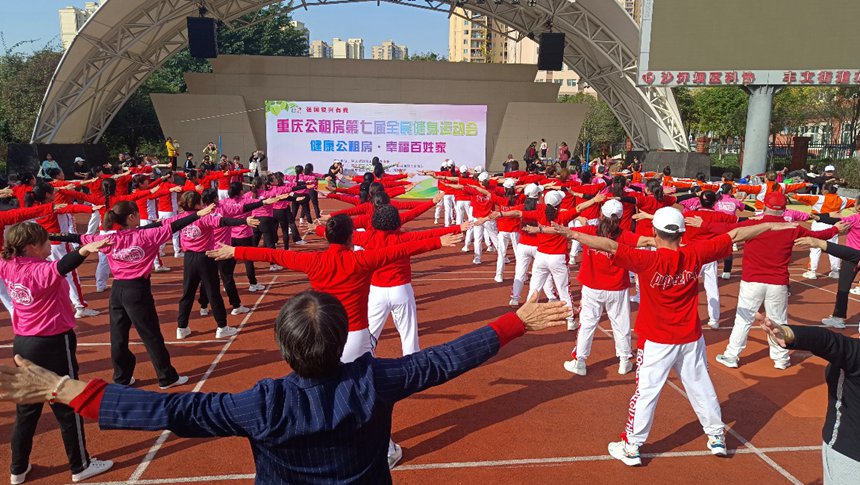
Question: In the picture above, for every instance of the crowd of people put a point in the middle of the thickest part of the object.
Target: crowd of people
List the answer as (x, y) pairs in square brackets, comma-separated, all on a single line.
[(614, 231)]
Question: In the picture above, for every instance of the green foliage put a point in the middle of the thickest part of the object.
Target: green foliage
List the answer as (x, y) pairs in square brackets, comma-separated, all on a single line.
[(719, 112), (686, 107), (600, 126), (426, 56)]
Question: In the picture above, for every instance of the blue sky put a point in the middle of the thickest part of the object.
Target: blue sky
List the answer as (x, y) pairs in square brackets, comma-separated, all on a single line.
[(420, 30)]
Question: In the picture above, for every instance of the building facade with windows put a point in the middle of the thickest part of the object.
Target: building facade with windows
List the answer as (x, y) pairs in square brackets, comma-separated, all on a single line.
[(389, 51), (320, 49), (73, 18), (476, 38)]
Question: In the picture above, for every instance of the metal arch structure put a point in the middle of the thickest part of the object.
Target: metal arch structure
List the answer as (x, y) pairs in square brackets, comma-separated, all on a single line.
[(125, 41)]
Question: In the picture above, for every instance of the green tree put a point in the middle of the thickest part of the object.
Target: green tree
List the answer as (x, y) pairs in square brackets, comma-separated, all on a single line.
[(720, 111), (426, 56), (600, 126), (686, 107)]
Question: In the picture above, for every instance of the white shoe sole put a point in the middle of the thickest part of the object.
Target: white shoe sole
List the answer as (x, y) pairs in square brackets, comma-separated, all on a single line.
[(21, 477), (182, 380), (620, 456), (730, 365)]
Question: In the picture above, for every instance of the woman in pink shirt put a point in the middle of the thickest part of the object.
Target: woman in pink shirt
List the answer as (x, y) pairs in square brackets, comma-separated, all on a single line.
[(847, 272), (282, 212), (44, 327), (266, 230), (311, 179), (130, 257)]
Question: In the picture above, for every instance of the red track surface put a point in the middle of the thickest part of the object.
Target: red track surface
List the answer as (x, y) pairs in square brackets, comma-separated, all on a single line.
[(520, 418)]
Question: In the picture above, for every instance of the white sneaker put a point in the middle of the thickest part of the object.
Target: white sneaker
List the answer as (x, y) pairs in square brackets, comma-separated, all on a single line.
[(855, 290), (575, 367), (507, 260), (634, 298), (628, 454), (204, 312), (300, 242), (476, 261), (394, 458), (178, 255), (275, 267), (734, 247), (131, 381), (181, 333), (97, 467), (465, 249), (810, 275), (238, 311), (86, 312), (717, 444), (713, 324), (727, 361), (834, 322), (435, 222), (624, 366), (255, 288), (162, 269), (179, 381), (21, 477), (834, 274), (572, 324), (514, 302), (498, 278), (782, 364), (490, 249), (101, 289), (224, 332), (726, 276)]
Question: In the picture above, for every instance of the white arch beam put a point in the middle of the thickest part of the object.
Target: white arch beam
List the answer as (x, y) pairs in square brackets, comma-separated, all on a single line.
[(124, 42)]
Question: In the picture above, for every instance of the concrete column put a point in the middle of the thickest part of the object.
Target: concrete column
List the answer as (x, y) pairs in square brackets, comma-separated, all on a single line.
[(758, 129)]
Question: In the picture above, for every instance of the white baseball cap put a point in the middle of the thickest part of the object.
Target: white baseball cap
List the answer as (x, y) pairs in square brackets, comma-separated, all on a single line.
[(830, 168), (611, 208), (670, 220), (532, 190), (553, 198), (483, 177), (464, 169), (447, 162), (509, 183), (79, 159), (479, 168)]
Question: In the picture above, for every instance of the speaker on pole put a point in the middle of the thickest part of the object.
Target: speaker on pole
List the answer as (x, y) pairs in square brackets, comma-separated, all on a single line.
[(202, 38), (551, 51)]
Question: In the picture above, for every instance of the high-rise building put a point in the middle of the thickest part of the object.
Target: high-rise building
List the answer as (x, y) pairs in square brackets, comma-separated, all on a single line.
[(388, 51), (347, 49), (474, 37), (73, 18), (320, 49), (633, 9), (300, 26)]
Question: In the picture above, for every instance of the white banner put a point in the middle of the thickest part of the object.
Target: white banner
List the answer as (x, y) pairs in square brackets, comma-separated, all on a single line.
[(406, 137)]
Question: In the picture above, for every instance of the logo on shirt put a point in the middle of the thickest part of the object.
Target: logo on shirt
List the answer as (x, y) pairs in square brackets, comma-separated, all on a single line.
[(20, 294), (191, 232), (665, 282), (129, 254)]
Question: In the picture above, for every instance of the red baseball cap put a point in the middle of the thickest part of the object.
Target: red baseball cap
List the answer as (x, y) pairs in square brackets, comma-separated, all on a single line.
[(775, 201)]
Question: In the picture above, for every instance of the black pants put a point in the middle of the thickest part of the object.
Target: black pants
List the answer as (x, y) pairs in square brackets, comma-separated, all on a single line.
[(284, 218), (249, 265), (200, 269), (314, 198), (267, 231), (131, 303), (727, 264), (57, 354), (225, 272), (305, 206), (847, 273)]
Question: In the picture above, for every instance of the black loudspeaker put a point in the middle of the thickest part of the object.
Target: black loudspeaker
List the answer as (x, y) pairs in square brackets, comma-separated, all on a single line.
[(202, 40), (551, 51)]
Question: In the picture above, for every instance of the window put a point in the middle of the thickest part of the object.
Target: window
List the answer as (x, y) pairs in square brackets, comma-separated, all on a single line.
[(571, 82), (466, 23), (465, 52), (465, 41), (557, 81), (465, 32)]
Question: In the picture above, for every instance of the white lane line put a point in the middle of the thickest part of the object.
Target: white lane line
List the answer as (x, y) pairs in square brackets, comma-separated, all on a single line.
[(820, 288), (150, 455), (167, 342), (559, 460)]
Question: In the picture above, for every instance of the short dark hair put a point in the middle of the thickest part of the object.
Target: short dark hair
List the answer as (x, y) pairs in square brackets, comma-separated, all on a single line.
[(668, 236), (386, 218), (708, 198), (311, 330), (338, 229)]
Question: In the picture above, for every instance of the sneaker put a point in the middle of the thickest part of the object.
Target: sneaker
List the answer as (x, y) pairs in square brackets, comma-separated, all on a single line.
[(97, 467), (628, 454), (855, 290), (86, 312), (572, 324), (101, 289), (713, 324), (255, 288), (734, 247), (204, 312), (465, 249), (575, 367), (300, 242), (179, 381), (476, 261), (507, 260), (435, 222), (717, 444), (162, 269), (240, 310), (131, 382), (178, 255), (624, 366), (490, 249), (181, 333), (514, 302), (834, 274), (810, 275), (394, 458), (726, 276), (275, 267), (224, 332), (782, 364), (727, 361), (21, 477), (634, 298), (834, 322), (498, 278)]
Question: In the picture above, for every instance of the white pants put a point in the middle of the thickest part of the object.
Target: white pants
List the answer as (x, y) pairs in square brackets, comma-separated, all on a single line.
[(94, 223), (574, 245), (525, 255), (448, 201), (222, 194), (5, 299), (815, 253), (502, 239), (357, 344), (176, 248), (751, 296), (709, 279), (156, 263), (617, 304), (485, 230), (653, 363), (103, 268), (554, 267), (399, 301), (440, 210), (463, 213), (76, 295)]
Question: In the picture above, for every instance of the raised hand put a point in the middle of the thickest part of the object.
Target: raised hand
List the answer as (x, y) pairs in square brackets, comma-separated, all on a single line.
[(810, 242), (206, 210), (642, 215), (438, 197), (222, 253), (26, 384), (538, 316), (451, 240), (843, 226), (94, 246), (564, 231), (775, 332), (252, 221), (694, 221)]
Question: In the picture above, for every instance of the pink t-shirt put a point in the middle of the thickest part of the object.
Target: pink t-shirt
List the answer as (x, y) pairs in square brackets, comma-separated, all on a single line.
[(791, 215), (232, 207), (691, 204), (199, 236), (280, 190), (852, 239), (40, 297), (266, 210), (133, 250), (729, 205)]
